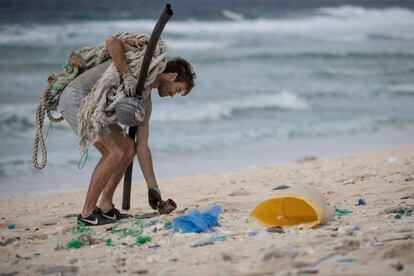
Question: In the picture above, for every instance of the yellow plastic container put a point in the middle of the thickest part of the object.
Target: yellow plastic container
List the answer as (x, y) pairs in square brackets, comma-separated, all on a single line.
[(300, 204)]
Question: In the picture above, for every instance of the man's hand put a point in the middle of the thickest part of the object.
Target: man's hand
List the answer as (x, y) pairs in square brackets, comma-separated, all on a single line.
[(130, 84), (154, 198)]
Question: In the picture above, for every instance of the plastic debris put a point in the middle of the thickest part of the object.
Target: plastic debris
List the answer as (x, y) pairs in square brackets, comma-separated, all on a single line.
[(209, 241), (167, 225), (280, 187), (59, 270), (361, 202), (400, 211), (276, 229), (143, 239), (218, 238), (397, 266), (81, 228), (134, 230), (348, 260), (196, 221), (342, 212), (252, 233), (282, 251), (108, 242), (74, 244), (10, 226)]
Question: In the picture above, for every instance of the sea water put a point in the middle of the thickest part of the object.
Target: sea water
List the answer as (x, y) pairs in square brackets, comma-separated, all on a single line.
[(276, 81)]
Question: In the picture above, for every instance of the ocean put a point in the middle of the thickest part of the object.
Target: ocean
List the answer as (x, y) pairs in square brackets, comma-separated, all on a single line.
[(277, 80)]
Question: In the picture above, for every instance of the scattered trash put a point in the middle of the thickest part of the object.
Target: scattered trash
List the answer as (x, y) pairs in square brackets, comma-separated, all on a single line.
[(280, 187), (342, 212), (276, 229), (196, 221), (7, 272), (348, 245), (283, 251), (348, 182), (59, 270), (252, 233), (10, 226), (218, 238), (134, 230), (108, 242), (146, 215), (301, 204), (398, 237), (400, 211), (36, 254), (80, 227), (308, 271), (361, 202), (346, 230), (141, 271), (9, 241), (397, 266), (47, 221), (143, 239), (209, 241), (348, 260), (74, 244), (167, 225)]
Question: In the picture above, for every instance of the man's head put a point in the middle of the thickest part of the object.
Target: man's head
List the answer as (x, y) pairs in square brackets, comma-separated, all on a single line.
[(178, 77)]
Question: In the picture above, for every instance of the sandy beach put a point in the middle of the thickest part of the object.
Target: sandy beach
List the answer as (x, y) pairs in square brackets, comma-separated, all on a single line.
[(375, 239)]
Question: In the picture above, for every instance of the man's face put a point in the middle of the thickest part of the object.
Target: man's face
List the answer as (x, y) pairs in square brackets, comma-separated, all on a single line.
[(169, 87)]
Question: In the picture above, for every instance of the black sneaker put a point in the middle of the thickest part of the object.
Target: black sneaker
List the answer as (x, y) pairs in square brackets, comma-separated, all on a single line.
[(95, 219), (114, 214)]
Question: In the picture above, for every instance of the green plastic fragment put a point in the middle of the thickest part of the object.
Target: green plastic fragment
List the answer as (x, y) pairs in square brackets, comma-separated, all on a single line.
[(81, 228), (74, 244), (133, 230), (167, 225), (108, 242), (342, 212), (397, 216), (143, 239)]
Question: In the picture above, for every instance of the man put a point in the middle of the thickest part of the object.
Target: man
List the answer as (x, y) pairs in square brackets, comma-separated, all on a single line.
[(116, 148)]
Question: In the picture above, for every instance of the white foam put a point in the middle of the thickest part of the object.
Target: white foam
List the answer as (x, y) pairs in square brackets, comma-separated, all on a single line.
[(218, 109), (232, 15), (402, 88), (345, 23)]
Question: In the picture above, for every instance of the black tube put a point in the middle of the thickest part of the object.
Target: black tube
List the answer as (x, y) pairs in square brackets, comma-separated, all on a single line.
[(155, 36)]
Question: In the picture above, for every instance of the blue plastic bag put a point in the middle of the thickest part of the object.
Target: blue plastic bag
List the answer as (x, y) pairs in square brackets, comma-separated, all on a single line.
[(196, 221)]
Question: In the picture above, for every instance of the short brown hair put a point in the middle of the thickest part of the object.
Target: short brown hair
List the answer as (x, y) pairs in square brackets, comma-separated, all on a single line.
[(184, 70)]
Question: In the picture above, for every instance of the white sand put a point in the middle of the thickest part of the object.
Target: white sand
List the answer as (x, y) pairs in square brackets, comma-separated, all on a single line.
[(368, 241)]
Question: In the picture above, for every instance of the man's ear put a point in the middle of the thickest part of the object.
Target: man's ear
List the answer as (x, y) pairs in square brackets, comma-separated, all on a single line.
[(171, 76)]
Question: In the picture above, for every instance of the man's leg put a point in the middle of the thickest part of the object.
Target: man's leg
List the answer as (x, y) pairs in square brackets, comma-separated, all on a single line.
[(128, 145), (115, 153)]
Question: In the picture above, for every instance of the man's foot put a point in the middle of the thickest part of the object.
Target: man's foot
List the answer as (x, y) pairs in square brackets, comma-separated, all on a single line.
[(95, 219), (114, 214)]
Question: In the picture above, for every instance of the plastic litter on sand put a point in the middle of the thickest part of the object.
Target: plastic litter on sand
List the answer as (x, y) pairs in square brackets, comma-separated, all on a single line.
[(195, 221)]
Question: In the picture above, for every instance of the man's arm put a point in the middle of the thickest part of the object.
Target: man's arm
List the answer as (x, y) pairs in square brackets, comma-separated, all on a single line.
[(144, 156), (117, 49)]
